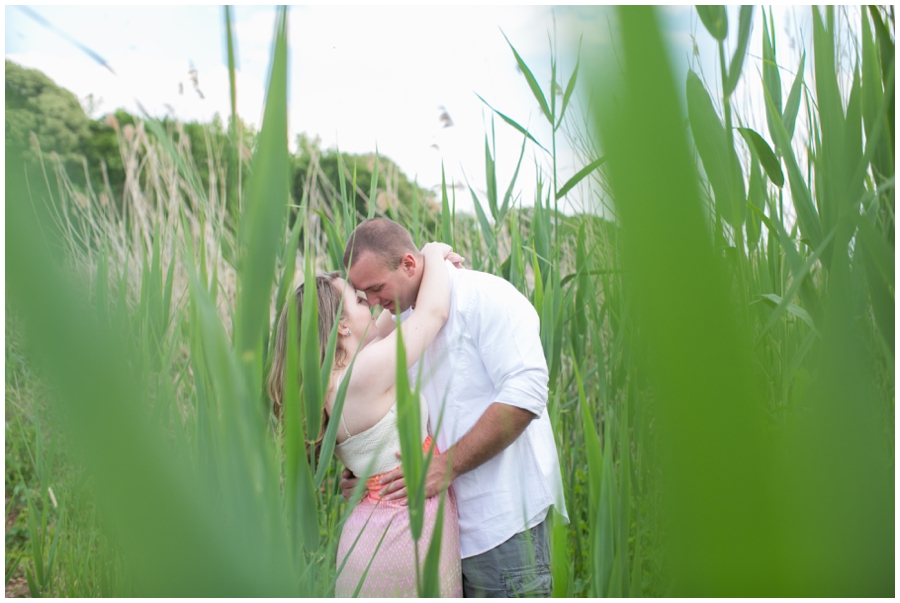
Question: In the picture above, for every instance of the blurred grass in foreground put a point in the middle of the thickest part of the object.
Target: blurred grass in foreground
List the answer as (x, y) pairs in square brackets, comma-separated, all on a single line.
[(807, 511)]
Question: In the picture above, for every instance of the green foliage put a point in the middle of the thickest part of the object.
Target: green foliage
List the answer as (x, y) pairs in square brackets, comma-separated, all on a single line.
[(316, 174), (35, 104)]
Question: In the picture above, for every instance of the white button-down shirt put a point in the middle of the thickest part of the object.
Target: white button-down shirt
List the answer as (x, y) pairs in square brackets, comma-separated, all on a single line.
[(490, 351)]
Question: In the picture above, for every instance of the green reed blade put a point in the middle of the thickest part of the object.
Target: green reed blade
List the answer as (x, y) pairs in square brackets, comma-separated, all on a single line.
[(737, 60), (579, 176), (373, 189), (756, 188), (796, 284), (331, 431), (885, 47), (409, 426), (310, 355), (880, 252), (668, 248), (771, 74), (12, 567), (330, 349), (513, 123), (541, 233), (556, 315), (794, 261), (532, 83), (446, 218), (776, 302), (431, 578), (486, 231), (623, 505), (561, 566), (713, 146), (879, 266), (584, 289), (36, 542), (807, 216), (306, 510), (570, 87), (32, 586), (262, 222), (229, 42), (872, 92), (853, 123), (509, 190), (714, 19), (235, 143), (538, 297), (292, 417), (873, 138), (60, 524), (289, 263), (491, 176), (593, 450), (603, 548), (766, 156), (335, 245), (342, 181), (415, 222), (792, 106), (831, 121)]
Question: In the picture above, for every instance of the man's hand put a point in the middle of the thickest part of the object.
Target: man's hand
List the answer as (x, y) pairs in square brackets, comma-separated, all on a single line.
[(497, 428), (395, 485), (437, 480), (434, 480), (348, 483)]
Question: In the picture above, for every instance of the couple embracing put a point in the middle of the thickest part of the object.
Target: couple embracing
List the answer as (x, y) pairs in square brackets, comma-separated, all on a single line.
[(484, 382)]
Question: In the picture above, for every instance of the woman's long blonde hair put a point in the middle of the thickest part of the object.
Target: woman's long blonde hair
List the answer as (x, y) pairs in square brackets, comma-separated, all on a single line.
[(329, 300)]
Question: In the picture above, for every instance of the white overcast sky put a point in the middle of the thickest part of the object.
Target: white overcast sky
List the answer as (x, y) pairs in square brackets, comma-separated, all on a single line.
[(360, 76)]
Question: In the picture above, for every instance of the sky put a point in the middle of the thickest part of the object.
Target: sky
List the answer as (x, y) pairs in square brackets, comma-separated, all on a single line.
[(361, 77)]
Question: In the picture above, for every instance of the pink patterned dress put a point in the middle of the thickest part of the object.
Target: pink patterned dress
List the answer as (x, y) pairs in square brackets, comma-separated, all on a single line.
[(389, 570)]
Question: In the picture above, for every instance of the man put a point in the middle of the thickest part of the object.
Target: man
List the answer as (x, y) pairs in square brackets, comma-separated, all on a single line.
[(485, 381)]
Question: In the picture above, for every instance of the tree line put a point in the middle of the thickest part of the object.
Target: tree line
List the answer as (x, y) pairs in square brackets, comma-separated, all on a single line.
[(46, 120)]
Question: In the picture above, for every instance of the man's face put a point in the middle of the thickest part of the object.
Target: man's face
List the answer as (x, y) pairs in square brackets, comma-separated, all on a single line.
[(381, 285)]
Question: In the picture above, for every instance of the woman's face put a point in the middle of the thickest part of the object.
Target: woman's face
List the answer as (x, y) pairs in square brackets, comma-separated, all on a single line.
[(357, 316)]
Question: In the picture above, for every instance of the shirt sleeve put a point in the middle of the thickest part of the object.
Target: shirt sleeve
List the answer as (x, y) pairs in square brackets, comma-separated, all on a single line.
[(506, 333)]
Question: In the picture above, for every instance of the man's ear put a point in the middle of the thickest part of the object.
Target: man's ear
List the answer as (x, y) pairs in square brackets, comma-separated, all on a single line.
[(409, 264)]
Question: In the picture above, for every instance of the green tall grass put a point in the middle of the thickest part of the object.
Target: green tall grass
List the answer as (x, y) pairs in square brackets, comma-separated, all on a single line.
[(720, 350)]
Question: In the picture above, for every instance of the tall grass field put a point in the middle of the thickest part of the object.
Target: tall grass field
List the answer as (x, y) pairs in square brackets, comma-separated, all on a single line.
[(720, 341)]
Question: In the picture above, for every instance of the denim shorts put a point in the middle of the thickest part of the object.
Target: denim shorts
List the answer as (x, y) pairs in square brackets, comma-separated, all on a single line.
[(520, 567)]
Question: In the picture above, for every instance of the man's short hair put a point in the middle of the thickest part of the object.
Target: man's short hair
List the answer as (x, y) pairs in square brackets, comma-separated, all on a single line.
[(385, 238)]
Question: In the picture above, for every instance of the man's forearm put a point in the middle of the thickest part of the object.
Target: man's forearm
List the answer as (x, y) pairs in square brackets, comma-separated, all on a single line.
[(497, 428)]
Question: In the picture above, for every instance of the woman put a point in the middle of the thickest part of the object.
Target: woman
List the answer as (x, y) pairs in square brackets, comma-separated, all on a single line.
[(367, 437)]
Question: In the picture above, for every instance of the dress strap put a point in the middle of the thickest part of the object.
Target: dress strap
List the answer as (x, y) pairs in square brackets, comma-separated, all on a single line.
[(344, 423)]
